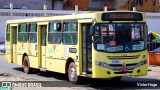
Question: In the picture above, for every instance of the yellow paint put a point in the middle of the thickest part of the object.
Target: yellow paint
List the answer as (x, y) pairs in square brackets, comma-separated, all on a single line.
[(39, 45), (19, 59), (56, 65), (11, 46), (8, 55), (101, 72), (33, 61), (14, 53), (43, 56)]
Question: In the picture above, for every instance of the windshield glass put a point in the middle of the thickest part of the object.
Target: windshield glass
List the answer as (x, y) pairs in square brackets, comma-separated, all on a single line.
[(119, 37)]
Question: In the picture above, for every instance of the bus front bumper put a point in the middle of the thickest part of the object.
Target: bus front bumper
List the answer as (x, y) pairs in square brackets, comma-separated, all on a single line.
[(103, 71)]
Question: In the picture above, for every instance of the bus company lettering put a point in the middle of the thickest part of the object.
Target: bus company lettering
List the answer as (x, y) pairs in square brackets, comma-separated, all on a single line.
[(26, 84)]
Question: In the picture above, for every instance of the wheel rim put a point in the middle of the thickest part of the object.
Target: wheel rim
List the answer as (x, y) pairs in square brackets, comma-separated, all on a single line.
[(72, 74)]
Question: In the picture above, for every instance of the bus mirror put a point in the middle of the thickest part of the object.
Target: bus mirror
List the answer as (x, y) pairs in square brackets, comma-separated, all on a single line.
[(92, 30), (146, 35), (146, 31)]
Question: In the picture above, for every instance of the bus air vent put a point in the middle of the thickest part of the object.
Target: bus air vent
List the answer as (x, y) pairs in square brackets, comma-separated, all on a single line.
[(133, 64), (123, 57), (123, 72)]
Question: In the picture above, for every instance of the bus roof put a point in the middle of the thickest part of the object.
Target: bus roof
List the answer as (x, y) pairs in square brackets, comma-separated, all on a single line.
[(87, 15)]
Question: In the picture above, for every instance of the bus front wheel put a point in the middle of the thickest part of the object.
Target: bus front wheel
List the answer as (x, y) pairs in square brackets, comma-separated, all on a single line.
[(26, 65), (72, 73)]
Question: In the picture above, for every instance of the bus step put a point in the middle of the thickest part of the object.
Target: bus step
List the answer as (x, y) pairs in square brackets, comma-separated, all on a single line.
[(43, 69), (88, 75), (83, 75)]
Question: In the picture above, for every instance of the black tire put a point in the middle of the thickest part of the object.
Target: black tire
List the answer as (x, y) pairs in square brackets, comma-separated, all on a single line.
[(4, 51), (26, 65), (72, 73), (116, 78)]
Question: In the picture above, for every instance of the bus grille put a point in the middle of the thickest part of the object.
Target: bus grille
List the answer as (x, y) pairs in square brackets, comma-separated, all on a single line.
[(123, 57), (133, 64), (123, 72)]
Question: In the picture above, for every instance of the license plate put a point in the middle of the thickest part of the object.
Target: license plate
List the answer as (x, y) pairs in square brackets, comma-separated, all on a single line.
[(123, 70), (115, 61)]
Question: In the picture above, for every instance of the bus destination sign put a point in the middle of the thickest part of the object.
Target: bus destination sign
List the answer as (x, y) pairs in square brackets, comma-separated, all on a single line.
[(122, 16)]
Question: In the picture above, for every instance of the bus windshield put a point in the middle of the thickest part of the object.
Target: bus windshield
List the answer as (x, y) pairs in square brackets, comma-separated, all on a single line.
[(119, 37)]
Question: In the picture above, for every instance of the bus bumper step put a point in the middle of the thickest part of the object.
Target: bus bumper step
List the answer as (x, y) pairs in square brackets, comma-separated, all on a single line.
[(43, 69)]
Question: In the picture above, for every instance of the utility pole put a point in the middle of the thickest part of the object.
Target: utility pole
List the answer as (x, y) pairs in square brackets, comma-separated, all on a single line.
[(45, 8), (128, 5), (11, 11), (11, 8), (76, 9)]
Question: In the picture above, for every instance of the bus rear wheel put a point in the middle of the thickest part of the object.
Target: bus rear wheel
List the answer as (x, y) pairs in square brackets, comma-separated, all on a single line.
[(72, 73), (26, 65)]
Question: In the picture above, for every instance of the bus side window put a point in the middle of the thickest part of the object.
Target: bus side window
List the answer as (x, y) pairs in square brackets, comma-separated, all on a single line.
[(22, 33), (54, 34), (58, 27), (70, 32), (32, 33)]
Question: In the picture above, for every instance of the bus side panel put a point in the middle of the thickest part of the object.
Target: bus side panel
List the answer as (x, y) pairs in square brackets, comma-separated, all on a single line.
[(19, 59), (56, 65), (96, 70), (19, 53), (14, 54), (33, 54), (21, 49), (57, 56), (74, 56), (33, 61), (11, 46), (8, 52), (55, 60)]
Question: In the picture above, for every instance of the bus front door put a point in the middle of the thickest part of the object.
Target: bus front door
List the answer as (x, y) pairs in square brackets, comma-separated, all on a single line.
[(87, 49), (14, 43), (43, 30)]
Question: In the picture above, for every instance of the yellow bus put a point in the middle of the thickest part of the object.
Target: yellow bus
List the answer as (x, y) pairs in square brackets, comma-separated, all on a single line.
[(108, 44)]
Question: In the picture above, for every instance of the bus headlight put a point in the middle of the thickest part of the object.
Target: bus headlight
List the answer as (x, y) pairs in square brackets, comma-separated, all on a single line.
[(103, 64), (144, 62)]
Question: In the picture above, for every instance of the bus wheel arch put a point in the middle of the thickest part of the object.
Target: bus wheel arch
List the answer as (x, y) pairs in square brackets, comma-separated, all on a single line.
[(69, 60), (25, 54), (26, 64), (71, 71)]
